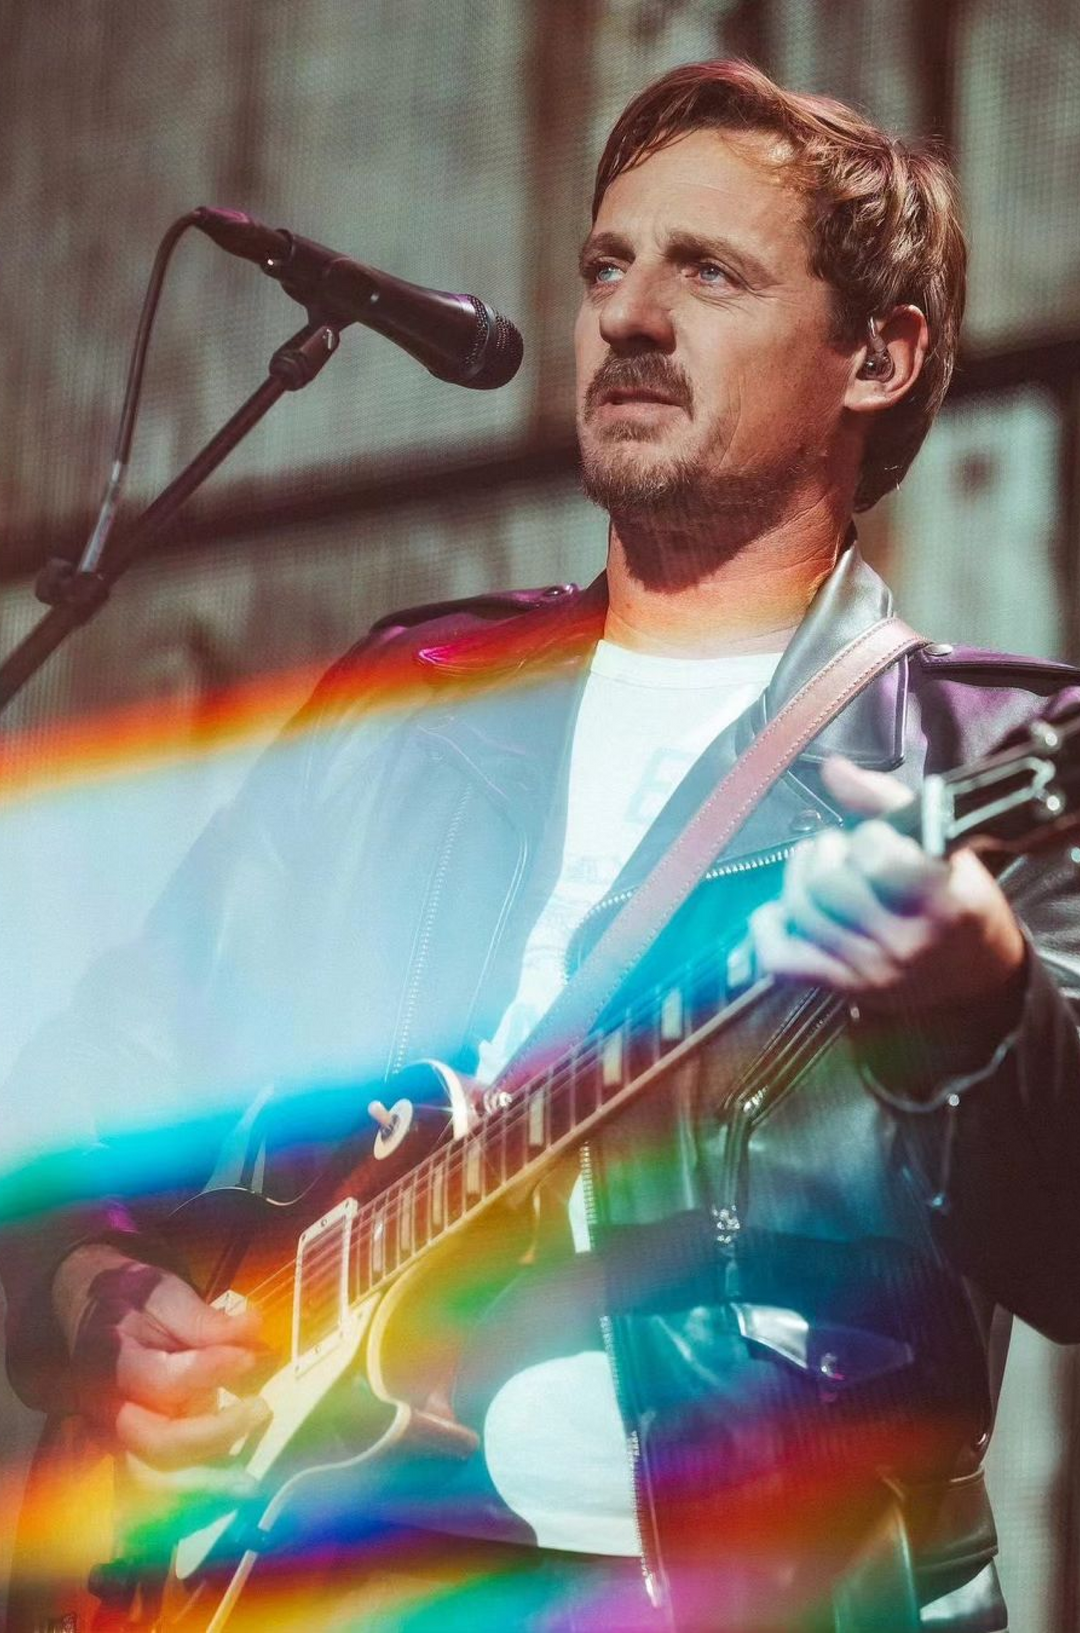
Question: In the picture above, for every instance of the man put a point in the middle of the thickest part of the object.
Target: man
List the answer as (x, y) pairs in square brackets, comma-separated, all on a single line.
[(772, 294)]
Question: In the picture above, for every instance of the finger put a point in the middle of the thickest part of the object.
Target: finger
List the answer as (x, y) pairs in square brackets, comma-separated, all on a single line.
[(868, 793), (175, 1443), (193, 1324), (229, 1484), (778, 952), (822, 882), (830, 898), (168, 1381), (899, 872), (839, 914)]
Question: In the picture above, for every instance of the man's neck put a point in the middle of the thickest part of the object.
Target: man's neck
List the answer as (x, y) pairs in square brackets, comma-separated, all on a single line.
[(750, 600)]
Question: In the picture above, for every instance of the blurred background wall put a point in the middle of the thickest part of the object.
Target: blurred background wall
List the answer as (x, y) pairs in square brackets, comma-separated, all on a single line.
[(453, 145)]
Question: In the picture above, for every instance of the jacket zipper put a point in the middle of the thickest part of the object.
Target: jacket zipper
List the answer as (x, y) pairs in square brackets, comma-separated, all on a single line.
[(741, 1118), (740, 1121), (444, 750), (719, 870), (500, 923), (727, 1228), (648, 1555), (412, 994)]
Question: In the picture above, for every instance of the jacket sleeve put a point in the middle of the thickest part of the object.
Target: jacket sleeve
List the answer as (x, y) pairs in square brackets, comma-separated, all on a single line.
[(117, 1107), (996, 1135)]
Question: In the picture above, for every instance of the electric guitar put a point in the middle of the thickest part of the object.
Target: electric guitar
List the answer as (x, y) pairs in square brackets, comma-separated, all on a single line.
[(370, 1282)]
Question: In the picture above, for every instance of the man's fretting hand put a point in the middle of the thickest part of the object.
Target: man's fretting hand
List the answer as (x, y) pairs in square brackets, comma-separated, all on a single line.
[(866, 912), (148, 1356)]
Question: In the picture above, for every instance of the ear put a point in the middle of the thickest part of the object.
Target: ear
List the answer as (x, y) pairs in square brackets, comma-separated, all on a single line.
[(904, 336)]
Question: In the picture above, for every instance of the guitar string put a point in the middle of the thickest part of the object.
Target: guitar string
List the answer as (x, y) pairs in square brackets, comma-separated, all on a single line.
[(446, 1166), (560, 1076), (366, 1240)]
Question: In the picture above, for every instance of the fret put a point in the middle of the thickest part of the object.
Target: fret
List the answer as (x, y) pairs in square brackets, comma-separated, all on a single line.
[(584, 1070), (362, 1276), (642, 1044), (560, 1121), (378, 1244), (538, 1118), (390, 1238), (405, 1220), (455, 1184), (611, 1062), (671, 1016), (438, 1194), (474, 1171), (739, 968), (515, 1138), (422, 1207), (707, 992), (496, 1150)]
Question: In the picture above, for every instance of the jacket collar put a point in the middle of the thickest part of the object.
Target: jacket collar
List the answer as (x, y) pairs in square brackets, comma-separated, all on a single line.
[(870, 730), (563, 631), (560, 639)]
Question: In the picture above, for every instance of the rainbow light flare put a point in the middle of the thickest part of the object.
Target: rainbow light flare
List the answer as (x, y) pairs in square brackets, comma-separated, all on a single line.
[(355, 1570)]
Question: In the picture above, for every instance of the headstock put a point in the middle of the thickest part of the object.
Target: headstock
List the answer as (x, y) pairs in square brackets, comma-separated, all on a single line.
[(1020, 798)]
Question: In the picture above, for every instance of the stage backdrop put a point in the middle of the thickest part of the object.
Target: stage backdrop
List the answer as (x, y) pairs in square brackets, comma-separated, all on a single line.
[(452, 145)]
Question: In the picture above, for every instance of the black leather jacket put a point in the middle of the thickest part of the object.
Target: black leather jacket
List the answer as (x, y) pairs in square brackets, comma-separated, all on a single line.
[(808, 1384)]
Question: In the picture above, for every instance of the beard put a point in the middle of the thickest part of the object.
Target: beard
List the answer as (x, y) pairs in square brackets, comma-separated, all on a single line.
[(678, 517)]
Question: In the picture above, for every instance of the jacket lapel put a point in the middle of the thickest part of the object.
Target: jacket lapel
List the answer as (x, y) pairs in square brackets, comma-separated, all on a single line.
[(869, 731), (513, 690)]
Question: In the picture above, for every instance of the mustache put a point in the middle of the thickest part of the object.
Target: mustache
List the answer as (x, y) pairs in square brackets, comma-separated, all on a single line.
[(647, 372)]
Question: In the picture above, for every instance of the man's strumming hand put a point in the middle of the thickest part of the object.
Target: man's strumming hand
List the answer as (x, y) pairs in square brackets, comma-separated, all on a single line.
[(865, 911), (148, 1356)]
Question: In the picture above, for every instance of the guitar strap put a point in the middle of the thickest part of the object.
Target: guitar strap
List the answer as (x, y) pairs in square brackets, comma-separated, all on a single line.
[(709, 831)]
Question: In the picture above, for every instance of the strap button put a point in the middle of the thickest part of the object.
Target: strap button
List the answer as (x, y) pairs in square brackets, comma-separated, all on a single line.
[(807, 822)]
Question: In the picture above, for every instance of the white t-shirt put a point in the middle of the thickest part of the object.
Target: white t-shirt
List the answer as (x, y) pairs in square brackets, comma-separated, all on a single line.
[(553, 1439)]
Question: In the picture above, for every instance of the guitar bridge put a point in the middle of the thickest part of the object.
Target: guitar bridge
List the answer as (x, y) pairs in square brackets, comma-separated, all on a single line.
[(321, 1315)]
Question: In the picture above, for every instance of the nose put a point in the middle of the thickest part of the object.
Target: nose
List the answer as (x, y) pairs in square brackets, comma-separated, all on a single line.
[(636, 314)]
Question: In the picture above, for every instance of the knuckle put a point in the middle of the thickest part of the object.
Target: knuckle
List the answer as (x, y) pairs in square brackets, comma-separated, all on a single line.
[(879, 971), (873, 836), (830, 850), (182, 1376), (139, 1432)]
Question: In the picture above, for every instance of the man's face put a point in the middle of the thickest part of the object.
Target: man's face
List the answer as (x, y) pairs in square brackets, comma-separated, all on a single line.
[(707, 384)]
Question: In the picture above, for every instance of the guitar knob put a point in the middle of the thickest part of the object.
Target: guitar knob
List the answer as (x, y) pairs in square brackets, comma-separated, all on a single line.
[(394, 1125), (114, 1583)]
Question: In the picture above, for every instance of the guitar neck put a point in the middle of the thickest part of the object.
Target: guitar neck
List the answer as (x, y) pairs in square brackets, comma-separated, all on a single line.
[(1013, 798), (516, 1141)]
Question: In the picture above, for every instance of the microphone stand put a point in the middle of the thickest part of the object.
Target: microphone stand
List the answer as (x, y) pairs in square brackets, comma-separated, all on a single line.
[(75, 592)]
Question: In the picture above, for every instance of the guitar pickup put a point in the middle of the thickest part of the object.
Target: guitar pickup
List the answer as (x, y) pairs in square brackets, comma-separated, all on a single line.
[(321, 1314)]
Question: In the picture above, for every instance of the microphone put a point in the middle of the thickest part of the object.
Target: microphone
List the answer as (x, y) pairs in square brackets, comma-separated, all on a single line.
[(457, 338)]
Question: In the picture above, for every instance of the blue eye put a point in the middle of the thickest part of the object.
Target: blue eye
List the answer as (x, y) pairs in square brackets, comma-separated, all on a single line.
[(603, 272), (711, 272)]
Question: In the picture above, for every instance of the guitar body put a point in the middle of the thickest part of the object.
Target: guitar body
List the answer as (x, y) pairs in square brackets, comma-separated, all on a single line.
[(370, 1395)]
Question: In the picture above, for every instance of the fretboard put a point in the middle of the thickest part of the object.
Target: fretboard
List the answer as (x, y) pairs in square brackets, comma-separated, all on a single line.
[(1015, 795)]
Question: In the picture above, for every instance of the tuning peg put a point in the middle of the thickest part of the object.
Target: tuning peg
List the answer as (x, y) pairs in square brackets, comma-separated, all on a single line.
[(1050, 804), (1046, 735), (379, 1114)]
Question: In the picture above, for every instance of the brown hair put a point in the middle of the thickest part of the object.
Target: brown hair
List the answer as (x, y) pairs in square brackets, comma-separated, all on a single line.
[(882, 218)]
